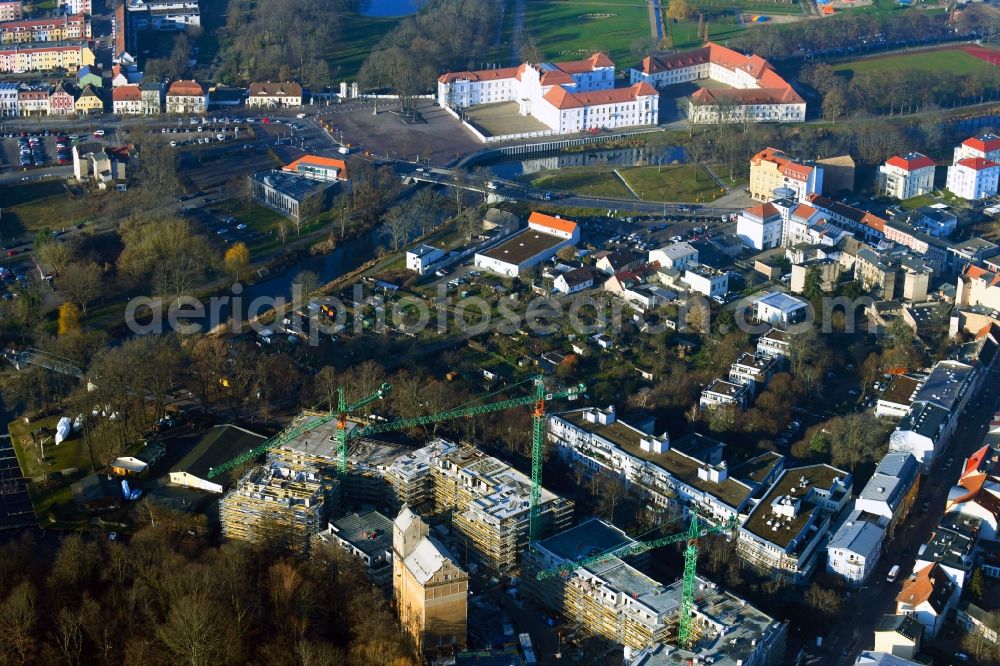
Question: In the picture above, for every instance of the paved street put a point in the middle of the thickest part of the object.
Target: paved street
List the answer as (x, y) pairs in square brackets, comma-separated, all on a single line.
[(878, 596)]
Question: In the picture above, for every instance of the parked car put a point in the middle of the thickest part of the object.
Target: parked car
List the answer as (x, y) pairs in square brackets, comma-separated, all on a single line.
[(98, 133)]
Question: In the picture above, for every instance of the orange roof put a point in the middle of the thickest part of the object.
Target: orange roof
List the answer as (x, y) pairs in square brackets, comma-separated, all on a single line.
[(319, 161), (556, 223), (803, 211), (979, 273), (873, 221), (763, 211), (555, 77), (185, 88), (976, 163), (910, 161), (920, 589)]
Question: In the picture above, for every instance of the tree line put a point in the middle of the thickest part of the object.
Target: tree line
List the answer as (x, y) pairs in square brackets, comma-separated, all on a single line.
[(171, 596)]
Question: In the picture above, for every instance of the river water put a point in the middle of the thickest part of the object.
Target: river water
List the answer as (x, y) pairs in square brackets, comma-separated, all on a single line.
[(385, 8)]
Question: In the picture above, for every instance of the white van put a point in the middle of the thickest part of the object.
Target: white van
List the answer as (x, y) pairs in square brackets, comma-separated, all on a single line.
[(893, 572)]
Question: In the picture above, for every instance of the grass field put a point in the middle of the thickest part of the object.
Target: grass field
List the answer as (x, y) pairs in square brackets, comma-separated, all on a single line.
[(573, 29), (596, 181), (685, 182), (40, 207), (952, 61), (361, 35)]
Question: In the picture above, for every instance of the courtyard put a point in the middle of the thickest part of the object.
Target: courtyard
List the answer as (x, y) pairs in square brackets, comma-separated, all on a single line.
[(501, 119)]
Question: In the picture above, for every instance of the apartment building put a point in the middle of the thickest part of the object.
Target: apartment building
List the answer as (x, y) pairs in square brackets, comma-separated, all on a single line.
[(8, 100), (720, 393), (676, 256), (616, 601), (276, 505), (163, 15), (976, 495), (752, 370), (367, 537), (430, 588), (62, 101), (896, 399), (274, 95), (44, 57), (127, 101), (11, 10), (786, 530), (780, 309), (978, 287), (985, 146), (906, 176), (855, 547), (772, 170), (669, 476), (55, 29), (933, 416), (488, 500), (889, 275), (775, 344), (755, 92), (706, 280), (186, 96), (898, 635), (565, 96), (862, 224), (928, 596), (973, 178), (152, 98), (760, 227), (34, 101), (892, 490), (805, 225)]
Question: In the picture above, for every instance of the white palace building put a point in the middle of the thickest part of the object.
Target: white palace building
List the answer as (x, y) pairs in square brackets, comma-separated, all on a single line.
[(567, 97), (757, 92)]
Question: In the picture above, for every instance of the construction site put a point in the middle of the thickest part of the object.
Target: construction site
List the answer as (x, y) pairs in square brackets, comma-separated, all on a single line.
[(610, 597), (498, 522), (279, 505)]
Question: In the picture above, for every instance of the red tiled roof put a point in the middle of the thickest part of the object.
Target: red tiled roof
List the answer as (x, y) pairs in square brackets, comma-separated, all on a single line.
[(785, 165), (561, 98), (556, 223), (184, 87), (803, 211), (977, 163), (481, 75), (921, 588), (910, 162), (985, 144), (595, 61), (126, 94)]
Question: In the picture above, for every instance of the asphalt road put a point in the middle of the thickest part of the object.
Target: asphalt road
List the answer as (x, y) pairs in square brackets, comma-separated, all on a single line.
[(878, 596)]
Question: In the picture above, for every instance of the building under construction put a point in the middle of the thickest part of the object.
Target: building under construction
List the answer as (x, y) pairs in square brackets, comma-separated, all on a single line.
[(614, 600), (277, 504)]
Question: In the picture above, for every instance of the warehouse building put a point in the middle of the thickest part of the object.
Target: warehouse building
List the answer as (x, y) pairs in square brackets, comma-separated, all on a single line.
[(220, 445), (544, 237)]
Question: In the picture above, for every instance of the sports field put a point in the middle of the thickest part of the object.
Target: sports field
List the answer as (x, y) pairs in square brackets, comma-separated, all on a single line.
[(958, 60), (573, 29)]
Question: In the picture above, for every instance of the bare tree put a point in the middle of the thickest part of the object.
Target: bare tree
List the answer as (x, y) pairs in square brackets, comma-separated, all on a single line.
[(81, 282)]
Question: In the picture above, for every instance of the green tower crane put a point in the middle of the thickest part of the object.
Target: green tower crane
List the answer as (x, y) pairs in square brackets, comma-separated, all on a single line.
[(344, 436), (694, 532)]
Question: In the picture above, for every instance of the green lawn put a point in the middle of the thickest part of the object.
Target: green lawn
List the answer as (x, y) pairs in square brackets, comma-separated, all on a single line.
[(685, 182), (685, 33), (71, 453), (38, 207), (361, 34), (918, 201), (573, 29), (952, 61), (596, 181)]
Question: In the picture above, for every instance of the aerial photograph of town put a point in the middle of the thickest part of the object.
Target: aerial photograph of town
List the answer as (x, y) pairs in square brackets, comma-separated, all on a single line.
[(500, 332)]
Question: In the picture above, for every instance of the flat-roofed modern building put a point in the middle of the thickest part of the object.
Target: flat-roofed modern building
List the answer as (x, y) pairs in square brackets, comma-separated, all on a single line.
[(368, 537), (669, 476), (545, 235), (294, 196), (786, 530)]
